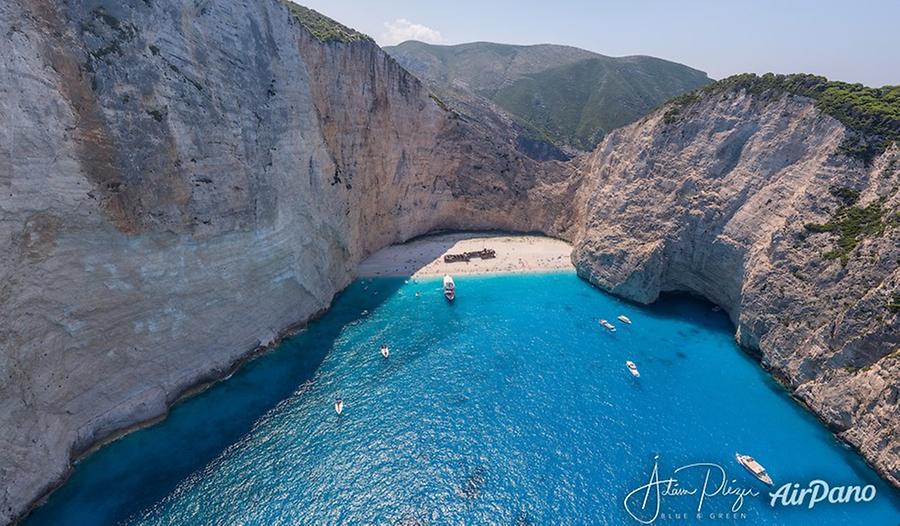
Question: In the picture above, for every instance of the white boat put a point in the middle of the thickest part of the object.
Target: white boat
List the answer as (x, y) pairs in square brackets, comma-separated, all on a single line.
[(624, 319), (385, 351), (632, 368), (338, 406), (449, 288), (754, 467), (607, 325)]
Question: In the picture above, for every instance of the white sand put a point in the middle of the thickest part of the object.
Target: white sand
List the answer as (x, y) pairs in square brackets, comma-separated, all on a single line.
[(425, 256)]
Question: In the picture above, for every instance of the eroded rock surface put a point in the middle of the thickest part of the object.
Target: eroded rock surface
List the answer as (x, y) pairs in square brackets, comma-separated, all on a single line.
[(717, 203), (184, 181)]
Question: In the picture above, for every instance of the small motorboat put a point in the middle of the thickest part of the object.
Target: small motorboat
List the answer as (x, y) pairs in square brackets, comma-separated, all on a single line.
[(624, 319), (339, 406), (632, 368), (449, 288), (754, 467), (607, 325), (385, 351)]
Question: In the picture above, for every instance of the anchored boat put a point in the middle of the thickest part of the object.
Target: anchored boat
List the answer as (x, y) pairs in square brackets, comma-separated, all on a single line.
[(632, 368), (338, 406), (385, 351), (754, 467), (624, 319), (449, 288), (607, 325)]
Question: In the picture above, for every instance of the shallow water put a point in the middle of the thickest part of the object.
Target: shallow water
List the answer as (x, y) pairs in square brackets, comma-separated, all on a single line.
[(510, 406)]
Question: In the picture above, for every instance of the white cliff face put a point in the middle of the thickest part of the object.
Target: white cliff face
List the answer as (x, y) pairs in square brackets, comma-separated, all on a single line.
[(181, 184), (716, 204)]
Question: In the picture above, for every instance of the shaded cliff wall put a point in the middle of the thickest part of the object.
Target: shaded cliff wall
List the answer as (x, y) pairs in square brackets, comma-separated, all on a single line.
[(716, 201), (182, 182)]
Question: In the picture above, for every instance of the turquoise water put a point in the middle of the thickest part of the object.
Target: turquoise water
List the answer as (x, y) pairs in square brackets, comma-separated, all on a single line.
[(510, 406)]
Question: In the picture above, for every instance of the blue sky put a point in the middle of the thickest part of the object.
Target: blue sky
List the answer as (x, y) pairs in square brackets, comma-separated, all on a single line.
[(851, 41)]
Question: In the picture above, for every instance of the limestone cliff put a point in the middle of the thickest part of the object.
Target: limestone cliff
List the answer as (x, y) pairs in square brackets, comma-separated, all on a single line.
[(181, 182), (723, 199)]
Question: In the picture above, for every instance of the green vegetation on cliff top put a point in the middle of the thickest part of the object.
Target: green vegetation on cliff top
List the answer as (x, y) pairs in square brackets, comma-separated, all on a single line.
[(324, 29), (872, 113)]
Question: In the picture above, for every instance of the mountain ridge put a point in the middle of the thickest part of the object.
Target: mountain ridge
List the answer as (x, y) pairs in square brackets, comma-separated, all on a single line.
[(567, 96), (170, 209)]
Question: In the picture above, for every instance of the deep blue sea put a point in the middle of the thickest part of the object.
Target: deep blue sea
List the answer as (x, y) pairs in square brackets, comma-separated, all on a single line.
[(510, 406)]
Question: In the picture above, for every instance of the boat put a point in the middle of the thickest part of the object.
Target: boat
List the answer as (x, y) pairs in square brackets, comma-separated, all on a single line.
[(754, 467), (449, 288), (385, 351), (607, 325), (632, 368), (624, 319), (339, 406)]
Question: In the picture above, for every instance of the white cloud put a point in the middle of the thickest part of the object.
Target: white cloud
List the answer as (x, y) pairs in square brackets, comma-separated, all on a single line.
[(401, 30)]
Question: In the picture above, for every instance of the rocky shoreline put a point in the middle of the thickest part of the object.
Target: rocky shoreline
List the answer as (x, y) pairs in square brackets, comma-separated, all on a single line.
[(163, 239), (181, 193), (719, 203), (200, 385)]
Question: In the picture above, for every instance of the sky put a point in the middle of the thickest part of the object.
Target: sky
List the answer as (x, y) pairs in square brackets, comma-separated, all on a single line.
[(853, 41)]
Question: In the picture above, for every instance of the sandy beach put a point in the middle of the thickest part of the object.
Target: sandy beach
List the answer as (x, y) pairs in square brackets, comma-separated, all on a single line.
[(425, 256)]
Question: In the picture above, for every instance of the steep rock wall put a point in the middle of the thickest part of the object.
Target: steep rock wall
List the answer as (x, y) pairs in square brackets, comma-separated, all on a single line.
[(181, 182), (184, 181), (716, 202)]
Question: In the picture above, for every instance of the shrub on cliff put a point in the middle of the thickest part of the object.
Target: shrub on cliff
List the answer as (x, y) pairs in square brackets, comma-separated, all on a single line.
[(851, 223), (873, 114), (894, 304)]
